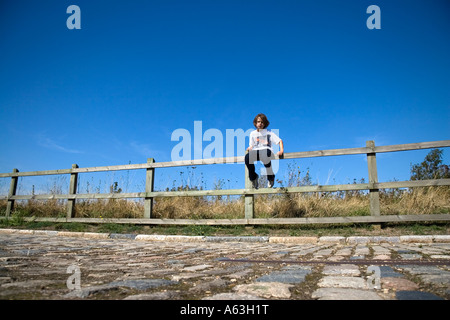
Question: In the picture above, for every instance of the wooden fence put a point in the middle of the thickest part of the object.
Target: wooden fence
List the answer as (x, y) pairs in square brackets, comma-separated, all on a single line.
[(373, 186)]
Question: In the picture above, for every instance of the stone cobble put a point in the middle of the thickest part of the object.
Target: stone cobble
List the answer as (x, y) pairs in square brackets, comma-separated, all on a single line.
[(69, 266)]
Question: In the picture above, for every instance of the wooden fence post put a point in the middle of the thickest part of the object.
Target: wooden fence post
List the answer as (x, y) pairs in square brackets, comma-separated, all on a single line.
[(72, 190), (374, 194), (12, 192), (149, 184), (249, 198)]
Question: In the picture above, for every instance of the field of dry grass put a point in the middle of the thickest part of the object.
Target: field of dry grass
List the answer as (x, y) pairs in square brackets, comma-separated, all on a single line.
[(415, 201)]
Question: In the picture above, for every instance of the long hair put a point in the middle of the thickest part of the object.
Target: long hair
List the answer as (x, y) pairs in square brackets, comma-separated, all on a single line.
[(263, 119)]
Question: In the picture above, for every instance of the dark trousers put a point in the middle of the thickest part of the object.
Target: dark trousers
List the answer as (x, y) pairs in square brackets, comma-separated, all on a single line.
[(265, 156)]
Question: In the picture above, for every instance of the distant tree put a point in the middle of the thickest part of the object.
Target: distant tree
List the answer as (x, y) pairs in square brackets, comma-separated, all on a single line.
[(431, 167)]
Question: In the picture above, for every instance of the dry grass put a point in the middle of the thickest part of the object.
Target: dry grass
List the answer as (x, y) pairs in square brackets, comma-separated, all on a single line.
[(313, 205), (428, 200), (197, 208)]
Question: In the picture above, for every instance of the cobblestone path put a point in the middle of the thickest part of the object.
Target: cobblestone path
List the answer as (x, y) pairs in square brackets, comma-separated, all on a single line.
[(66, 265)]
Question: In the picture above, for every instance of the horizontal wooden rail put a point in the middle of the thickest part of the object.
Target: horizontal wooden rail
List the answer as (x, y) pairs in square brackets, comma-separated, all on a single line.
[(239, 159), (373, 186), (257, 221), (224, 192)]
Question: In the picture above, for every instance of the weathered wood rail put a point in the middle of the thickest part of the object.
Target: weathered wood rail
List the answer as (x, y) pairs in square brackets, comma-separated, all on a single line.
[(373, 186)]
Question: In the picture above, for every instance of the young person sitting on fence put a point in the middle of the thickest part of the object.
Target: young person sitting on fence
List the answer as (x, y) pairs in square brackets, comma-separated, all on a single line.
[(260, 149)]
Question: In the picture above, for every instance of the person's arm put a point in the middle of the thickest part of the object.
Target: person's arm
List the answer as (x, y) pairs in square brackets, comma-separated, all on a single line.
[(281, 152), (251, 143)]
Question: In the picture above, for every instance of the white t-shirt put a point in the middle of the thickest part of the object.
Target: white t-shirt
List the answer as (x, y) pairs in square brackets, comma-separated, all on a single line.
[(264, 139)]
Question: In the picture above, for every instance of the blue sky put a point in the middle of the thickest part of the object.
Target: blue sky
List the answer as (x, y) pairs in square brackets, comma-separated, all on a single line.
[(114, 91)]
